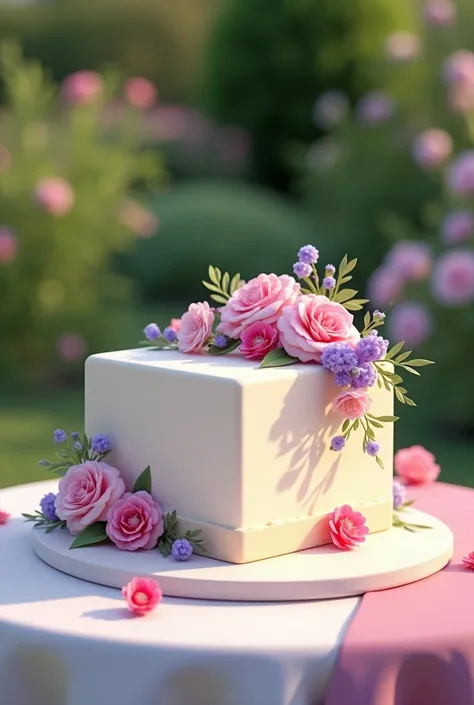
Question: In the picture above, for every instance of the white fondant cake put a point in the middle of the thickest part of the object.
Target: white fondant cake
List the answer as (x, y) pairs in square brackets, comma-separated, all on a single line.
[(240, 452)]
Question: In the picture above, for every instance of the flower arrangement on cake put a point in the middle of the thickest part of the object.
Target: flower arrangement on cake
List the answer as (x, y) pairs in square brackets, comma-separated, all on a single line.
[(279, 321), (93, 505)]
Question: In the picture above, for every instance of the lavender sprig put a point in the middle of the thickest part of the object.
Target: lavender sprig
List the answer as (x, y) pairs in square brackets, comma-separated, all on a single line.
[(76, 450), (43, 522)]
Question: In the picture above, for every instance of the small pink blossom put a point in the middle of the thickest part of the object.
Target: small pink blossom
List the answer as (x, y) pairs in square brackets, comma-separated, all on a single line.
[(461, 97), (135, 521), (139, 220), (175, 324), (312, 323), (453, 277), (468, 560), (410, 260), (459, 67), (196, 328), (263, 298), (375, 108), (416, 465), (142, 595), (86, 492), (140, 92), (432, 148), (460, 175), (82, 87), (71, 347), (352, 403), (54, 195), (8, 246), (410, 321), (258, 340), (384, 286), (457, 227), (4, 517), (403, 46), (440, 12), (347, 528)]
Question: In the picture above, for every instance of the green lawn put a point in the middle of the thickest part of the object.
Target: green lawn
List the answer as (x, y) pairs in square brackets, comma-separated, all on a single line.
[(26, 425)]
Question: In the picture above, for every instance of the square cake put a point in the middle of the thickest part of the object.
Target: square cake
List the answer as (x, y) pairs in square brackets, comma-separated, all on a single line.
[(239, 452)]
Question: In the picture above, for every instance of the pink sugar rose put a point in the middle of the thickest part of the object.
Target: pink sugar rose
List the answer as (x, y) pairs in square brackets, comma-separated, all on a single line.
[(86, 492), (416, 466), (142, 595), (468, 560), (82, 87), (312, 323), (258, 340), (260, 299), (195, 328), (352, 404), (135, 521), (347, 527), (4, 517), (140, 92), (54, 195)]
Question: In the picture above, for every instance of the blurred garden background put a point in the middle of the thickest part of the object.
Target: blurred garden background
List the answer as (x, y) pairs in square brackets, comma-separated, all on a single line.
[(141, 140)]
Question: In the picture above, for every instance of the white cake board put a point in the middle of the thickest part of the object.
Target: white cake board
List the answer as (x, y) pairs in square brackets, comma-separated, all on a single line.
[(386, 560)]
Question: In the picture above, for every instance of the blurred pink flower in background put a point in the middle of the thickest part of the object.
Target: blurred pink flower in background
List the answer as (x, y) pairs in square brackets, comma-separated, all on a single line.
[(453, 278), (460, 175), (54, 195), (234, 144), (5, 158), (461, 97), (432, 148), (459, 67), (140, 92), (375, 108), (403, 46), (166, 123), (384, 286), (82, 87), (440, 12), (8, 245), (410, 321), (457, 227), (139, 220), (411, 260), (71, 347), (330, 109), (175, 324), (416, 466)]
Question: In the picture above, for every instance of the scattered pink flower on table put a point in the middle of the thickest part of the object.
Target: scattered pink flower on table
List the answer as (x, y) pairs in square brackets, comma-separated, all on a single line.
[(142, 595), (384, 286), (135, 521), (440, 12), (460, 175), (54, 195), (410, 321), (453, 278), (8, 246), (4, 517), (263, 298), (416, 465), (196, 328), (71, 347), (86, 493), (352, 404), (82, 87), (312, 323), (459, 67), (410, 260), (258, 340), (457, 227), (468, 560), (403, 46), (140, 92), (432, 148), (347, 527)]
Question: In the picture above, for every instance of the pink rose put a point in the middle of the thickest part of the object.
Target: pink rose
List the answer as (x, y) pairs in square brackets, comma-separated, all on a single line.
[(175, 324), (54, 195), (140, 92), (86, 492), (468, 560), (82, 87), (352, 404), (4, 517), (311, 324), (8, 246), (135, 521), (258, 340), (416, 465), (196, 328), (142, 595), (347, 527), (261, 299)]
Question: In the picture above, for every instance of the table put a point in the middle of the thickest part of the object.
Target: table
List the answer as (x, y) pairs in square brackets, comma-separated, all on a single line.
[(67, 642)]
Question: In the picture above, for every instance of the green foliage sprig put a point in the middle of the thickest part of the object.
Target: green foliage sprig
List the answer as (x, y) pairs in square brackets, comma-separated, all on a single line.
[(340, 295), (171, 534), (222, 285), (43, 522), (69, 455), (400, 522)]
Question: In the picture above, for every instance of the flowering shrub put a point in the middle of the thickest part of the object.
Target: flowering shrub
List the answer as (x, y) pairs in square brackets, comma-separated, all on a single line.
[(66, 205)]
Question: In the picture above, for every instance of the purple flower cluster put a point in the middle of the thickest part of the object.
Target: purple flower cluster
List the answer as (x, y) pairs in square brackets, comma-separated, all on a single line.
[(372, 448), (308, 254), (371, 348), (302, 270), (364, 376), (338, 443), (152, 332), (339, 357), (170, 335), (181, 550), (399, 494), (48, 508), (353, 367), (101, 444), (60, 436), (220, 341)]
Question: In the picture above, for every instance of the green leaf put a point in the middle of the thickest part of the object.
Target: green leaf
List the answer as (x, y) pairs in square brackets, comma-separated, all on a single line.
[(399, 395), (95, 533), (212, 287), (345, 295), (143, 481), (278, 358), (366, 319), (345, 425), (403, 356), (387, 419), (379, 462), (411, 370), (225, 282), (355, 425), (218, 298), (349, 266), (342, 266), (410, 402), (355, 304), (421, 363), (214, 275), (164, 547), (344, 280), (379, 383), (235, 283), (232, 345), (376, 424), (394, 351)]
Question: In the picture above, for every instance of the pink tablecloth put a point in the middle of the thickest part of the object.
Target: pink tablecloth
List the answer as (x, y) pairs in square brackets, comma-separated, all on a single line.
[(414, 645)]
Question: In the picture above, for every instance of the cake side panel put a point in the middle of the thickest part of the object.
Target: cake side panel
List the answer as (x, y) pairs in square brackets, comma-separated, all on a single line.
[(289, 470), (186, 427)]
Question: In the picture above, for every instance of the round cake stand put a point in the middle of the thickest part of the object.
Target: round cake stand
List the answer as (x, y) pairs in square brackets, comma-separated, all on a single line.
[(386, 560)]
